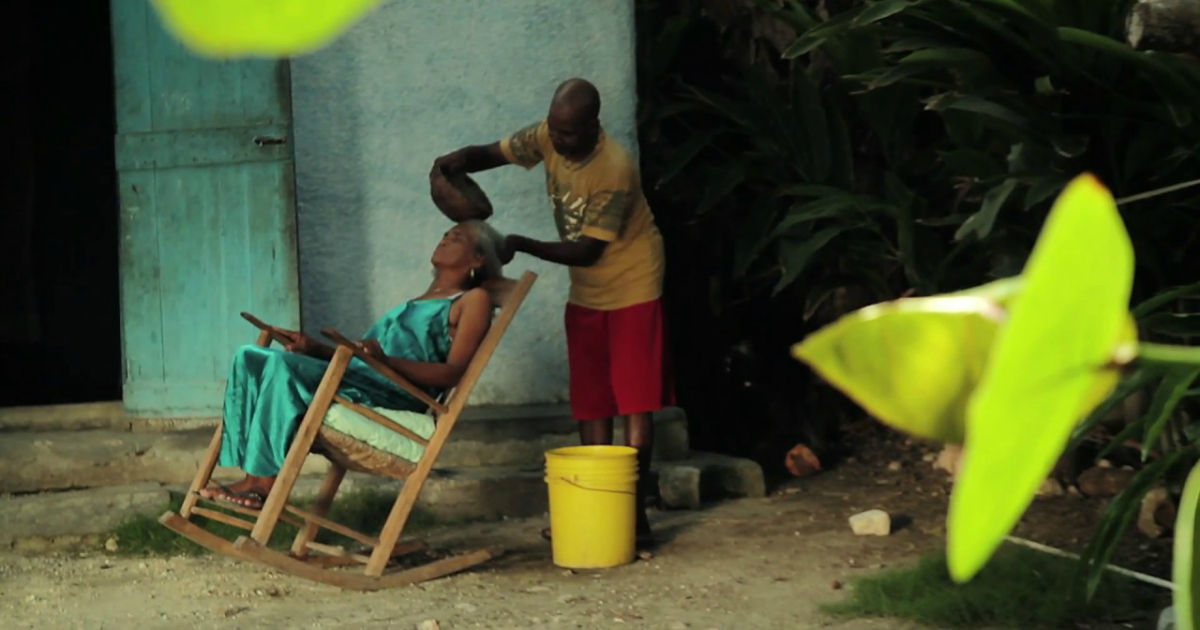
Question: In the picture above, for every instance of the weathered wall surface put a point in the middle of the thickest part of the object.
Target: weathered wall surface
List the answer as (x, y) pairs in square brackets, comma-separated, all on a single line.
[(415, 80)]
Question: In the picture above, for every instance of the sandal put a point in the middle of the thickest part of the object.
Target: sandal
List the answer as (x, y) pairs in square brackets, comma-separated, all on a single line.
[(214, 491), (251, 499)]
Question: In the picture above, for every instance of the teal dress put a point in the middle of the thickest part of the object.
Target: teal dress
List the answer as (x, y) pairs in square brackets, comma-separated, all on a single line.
[(270, 389)]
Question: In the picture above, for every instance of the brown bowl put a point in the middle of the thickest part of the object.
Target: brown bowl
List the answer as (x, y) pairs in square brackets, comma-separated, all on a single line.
[(456, 194)]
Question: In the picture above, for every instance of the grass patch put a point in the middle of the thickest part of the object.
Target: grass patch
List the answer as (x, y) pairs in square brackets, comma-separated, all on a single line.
[(1019, 588), (362, 509)]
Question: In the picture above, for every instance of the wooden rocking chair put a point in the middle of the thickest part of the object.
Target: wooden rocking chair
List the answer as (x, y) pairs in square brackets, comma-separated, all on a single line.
[(308, 558)]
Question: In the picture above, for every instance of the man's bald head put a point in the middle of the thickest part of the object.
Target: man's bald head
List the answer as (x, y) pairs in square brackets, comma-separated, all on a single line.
[(574, 119), (578, 97)]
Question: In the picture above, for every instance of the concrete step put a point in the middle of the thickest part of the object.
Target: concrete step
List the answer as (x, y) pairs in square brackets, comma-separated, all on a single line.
[(62, 460), (451, 494)]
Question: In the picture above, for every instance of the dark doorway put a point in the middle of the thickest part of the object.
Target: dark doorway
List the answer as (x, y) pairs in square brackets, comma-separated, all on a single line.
[(60, 319)]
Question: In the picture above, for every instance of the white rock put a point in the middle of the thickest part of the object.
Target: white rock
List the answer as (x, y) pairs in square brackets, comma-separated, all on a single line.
[(1146, 523), (429, 624), (871, 523), (895, 466), (1050, 488), (948, 460)]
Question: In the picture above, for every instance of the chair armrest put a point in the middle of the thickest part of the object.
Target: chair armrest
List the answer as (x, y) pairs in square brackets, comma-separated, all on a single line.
[(383, 369), (280, 335)]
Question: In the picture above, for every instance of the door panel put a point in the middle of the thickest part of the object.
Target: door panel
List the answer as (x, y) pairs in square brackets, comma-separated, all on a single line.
[(208, 224)]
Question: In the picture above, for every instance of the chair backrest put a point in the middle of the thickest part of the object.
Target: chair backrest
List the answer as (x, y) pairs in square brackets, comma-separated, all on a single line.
[(456, 398)]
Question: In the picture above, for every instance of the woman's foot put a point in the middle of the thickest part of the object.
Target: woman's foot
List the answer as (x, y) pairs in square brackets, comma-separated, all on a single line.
[(250, 492)]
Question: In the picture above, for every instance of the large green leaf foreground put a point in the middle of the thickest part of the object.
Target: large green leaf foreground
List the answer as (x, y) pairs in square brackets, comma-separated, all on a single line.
[(1185, 570), (259, 28), (1008, 368)]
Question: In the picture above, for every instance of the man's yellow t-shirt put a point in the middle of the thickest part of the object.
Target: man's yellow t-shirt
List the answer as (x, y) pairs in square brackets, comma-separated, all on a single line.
[(599, 197)]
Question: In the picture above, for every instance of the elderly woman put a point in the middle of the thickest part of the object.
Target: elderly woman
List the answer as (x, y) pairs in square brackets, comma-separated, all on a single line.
[(429, 340)]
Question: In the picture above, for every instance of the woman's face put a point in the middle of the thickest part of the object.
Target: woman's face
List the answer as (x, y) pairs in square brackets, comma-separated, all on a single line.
[(457, 250)]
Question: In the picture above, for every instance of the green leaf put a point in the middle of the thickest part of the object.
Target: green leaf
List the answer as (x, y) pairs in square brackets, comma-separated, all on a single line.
[(909, 44), (833, 206), (753, 235), (977, 105), (1163, 298), (1185, 571), (228, 29), (1124, 389), (912, 363), (841, 150), (666, 45), (1048, 368), (953, 219), (948, 56), (1032, 158), (725, 181), (818, 35), (795, 259), (806, 99), (1181, 325), (1117, 518), (882, 10), (1166, 398), (904, 200), (1002, 291), (1042, 190), (803, 46), (809, 190), (884, 77), (981, 223), (971, 163), (683, 155), (1070, 146), (1043, 85)]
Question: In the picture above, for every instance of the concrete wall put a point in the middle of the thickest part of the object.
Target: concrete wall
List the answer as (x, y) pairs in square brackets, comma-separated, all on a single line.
[(415, 80)]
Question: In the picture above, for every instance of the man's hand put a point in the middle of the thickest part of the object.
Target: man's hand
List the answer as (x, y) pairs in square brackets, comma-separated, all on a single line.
[(507, 249), (472, 159), (371, 348), (581, 253), (455, 162)]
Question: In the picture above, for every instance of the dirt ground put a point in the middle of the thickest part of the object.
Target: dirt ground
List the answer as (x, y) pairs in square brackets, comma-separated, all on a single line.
[(752, 563)]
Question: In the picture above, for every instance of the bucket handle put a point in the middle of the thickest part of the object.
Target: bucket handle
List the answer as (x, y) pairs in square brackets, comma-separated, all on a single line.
[(583, 487)]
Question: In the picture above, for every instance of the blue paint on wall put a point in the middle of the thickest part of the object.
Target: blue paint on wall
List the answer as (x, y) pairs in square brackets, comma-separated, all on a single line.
[(414, 80)]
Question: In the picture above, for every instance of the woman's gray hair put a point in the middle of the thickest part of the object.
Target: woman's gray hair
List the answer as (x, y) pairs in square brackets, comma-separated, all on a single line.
[(488, 242)]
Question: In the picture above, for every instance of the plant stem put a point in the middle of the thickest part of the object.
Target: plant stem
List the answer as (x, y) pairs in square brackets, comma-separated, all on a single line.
[(1169, 355)]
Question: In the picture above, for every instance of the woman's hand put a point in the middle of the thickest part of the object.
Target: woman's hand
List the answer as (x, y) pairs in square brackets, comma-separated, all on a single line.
[(371, 348), (301, 344)]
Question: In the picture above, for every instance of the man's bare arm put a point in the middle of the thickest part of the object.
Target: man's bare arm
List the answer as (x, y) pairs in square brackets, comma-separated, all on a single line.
[(582, 253), (472, 159)]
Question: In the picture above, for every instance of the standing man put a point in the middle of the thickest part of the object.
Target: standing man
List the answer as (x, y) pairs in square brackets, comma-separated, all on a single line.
[(616, 337)]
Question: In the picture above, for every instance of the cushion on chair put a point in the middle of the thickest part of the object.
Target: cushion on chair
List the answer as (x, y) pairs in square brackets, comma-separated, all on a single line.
[(347, 421)]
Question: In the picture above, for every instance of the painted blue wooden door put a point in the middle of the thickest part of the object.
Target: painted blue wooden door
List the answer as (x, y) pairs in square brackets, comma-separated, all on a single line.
[(207, 223)]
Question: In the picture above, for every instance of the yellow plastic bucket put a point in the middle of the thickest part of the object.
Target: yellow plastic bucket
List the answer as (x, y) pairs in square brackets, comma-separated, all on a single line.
[(593, 493)]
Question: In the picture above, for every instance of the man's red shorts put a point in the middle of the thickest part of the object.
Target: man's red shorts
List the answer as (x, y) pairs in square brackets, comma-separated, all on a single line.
[(618, 360)]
